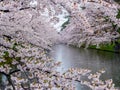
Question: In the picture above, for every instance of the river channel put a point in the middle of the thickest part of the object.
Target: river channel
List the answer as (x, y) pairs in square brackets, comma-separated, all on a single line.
[(94, 60)]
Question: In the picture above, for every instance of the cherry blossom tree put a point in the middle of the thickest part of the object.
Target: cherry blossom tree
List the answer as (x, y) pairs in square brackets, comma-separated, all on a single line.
[(91, 22), (27, 31)]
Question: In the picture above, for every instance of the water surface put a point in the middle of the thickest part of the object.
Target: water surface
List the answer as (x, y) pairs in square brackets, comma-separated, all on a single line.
[(90, 59)]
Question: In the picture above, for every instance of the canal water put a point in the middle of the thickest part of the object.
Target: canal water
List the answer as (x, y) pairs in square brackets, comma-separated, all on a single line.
[(89, 59)]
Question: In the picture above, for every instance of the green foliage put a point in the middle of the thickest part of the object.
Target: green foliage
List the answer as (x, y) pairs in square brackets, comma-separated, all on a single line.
[(17, 58), (92, 46), (114, 25), (15, 47), (45, 81), (118, 30), (65, 24), (106, 18), (7, 59), (118, 15), (6, 54), (104, 47), (118, 41), (107, 47)]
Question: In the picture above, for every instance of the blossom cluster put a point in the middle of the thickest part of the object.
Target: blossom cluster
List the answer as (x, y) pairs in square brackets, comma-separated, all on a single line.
[(91, 23), (26, 34)]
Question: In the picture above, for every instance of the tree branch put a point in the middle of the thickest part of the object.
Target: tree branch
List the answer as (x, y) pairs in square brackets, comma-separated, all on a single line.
[(14, 71), (5, 11)]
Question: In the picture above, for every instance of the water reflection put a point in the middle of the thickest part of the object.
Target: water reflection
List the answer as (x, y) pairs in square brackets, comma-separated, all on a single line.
[(91, 59)]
